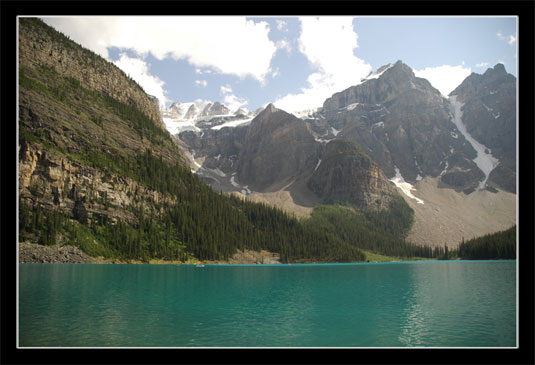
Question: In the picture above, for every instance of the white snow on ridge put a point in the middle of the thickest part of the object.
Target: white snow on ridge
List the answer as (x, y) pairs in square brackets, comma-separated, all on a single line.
[(378, 124), (175, 126), (233, 123), (335, 131), (318, 165), (352, 106), (405, 187), (485, 161), (376, 75)]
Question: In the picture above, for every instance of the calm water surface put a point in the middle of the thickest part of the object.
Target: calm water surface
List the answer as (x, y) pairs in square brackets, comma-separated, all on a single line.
[(438, 304)]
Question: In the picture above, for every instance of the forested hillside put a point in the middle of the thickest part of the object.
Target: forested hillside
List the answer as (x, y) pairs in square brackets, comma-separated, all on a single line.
[(500, 245)]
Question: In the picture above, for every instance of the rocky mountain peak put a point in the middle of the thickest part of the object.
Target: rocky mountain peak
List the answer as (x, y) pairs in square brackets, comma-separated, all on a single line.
[(382, 86), (277, 148), (270, 108), (499, 69), (489, 114)]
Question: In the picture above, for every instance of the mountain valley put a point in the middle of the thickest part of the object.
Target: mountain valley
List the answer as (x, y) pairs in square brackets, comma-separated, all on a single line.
[(416, 136), (390, 161)]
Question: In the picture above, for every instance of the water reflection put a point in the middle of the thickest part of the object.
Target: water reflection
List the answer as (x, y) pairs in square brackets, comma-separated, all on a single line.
[(459, 307)]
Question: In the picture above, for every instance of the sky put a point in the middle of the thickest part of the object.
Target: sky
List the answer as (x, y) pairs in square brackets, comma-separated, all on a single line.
[(293, 62)]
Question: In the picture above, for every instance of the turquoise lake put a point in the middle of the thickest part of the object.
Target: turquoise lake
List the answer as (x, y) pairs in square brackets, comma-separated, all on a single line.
[(404, 304)]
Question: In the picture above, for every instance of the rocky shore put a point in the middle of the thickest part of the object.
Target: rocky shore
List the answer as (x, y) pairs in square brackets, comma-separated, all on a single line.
[(31, 252), (35, 253)]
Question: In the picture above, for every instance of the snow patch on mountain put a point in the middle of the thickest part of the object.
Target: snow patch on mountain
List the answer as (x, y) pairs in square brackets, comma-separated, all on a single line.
[(233, 123), (405, 187), (318, 164), (378, 73), (484, 160), (243, 189), (175, 126), (352, 106)]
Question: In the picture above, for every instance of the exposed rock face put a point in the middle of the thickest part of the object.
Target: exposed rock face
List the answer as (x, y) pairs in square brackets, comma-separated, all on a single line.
[(401, 121), (489, 114), (219, 147), (78, 190), (346, 174), (40, 44), (277, 148)]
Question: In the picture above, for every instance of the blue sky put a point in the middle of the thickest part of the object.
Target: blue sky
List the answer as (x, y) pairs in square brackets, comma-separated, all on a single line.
[(293, 62)]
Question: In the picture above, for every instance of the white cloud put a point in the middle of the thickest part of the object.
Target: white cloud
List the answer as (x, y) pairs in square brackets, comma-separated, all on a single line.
[(328, 43), (227, 44), (281, 25), (201, 83), (138, 70), (232, 101), (482, 64), (225, 89), (275, 72), (284, 44), (202, 72), (444, 78), (511, 39)]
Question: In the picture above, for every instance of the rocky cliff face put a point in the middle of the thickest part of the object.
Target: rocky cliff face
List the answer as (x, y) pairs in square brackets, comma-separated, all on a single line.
[(55, 182), (489, 114), (345, 174)]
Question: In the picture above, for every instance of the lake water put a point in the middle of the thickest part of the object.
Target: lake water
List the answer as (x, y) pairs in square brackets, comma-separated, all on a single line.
[(424, 304)]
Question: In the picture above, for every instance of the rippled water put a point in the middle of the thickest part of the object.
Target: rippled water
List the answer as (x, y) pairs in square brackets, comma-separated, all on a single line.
[(438, 304)]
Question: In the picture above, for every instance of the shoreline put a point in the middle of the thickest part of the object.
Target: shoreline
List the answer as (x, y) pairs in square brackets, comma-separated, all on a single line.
[(29, 252)]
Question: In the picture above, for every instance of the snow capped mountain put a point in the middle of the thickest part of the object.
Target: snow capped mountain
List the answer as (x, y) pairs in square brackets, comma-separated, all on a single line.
[(307, 113), (200, 115)]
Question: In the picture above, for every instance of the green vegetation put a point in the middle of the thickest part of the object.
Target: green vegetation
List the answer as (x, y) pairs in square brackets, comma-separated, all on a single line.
[(381, 232), (375, 257), (500, 245)]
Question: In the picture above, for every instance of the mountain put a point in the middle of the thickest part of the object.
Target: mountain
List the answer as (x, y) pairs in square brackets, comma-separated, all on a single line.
[(488, 105), (404, 131), (404, 124), (99, 171), (277, 148), (201, 115)]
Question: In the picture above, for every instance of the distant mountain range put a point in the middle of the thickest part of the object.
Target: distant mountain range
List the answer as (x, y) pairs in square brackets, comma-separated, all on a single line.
[(400, 120), (405, 127)]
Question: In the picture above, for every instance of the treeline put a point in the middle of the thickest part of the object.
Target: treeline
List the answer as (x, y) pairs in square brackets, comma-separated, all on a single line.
[(499, 245)]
